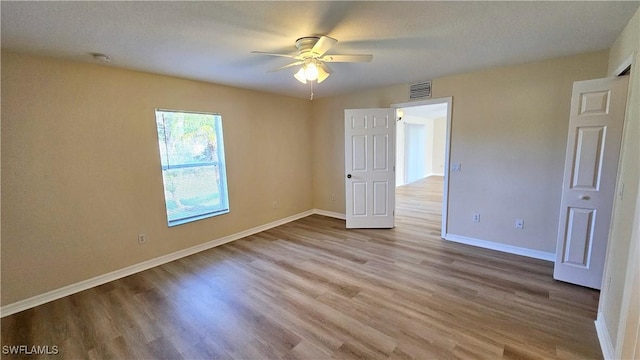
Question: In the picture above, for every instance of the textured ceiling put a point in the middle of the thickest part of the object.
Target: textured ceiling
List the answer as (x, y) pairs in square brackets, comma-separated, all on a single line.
[(410, 41)]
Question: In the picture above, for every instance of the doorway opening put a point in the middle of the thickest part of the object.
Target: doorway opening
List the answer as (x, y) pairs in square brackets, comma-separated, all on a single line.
[(422, 160)]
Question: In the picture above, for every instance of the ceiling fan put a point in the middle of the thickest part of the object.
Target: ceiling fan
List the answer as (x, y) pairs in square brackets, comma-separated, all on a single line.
[(313, 58)]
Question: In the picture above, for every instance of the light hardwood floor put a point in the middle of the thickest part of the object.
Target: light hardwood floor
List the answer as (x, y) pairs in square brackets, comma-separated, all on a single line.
[(311, 289)]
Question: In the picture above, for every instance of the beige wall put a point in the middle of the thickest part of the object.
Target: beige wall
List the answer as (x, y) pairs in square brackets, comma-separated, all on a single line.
[(509, 129), (439, 145), (616, 311), (81, 168)]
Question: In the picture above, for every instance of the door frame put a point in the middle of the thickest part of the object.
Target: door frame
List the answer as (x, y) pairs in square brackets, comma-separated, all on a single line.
[(447, 149), (609, 349)]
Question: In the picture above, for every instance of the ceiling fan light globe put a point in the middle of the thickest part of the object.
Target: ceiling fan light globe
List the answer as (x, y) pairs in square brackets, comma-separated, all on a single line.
[(311, 71), (300, 76), (322, 75)]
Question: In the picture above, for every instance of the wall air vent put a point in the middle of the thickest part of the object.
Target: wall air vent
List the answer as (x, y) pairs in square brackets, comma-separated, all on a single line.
[(420, 90)]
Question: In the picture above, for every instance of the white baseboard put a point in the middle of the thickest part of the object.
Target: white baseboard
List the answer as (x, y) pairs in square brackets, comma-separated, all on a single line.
[(536, 254), (136, 268), (605, 340), (330, 214)]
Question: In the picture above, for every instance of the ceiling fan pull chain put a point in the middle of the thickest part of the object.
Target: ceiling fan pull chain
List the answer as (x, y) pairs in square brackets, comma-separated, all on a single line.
[(311, 84)]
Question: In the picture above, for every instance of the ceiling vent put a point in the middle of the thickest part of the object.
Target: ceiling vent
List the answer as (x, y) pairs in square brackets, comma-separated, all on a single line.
[(420, 90)]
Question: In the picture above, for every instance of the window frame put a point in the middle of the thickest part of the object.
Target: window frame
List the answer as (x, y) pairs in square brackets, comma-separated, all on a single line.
[(221, 184)]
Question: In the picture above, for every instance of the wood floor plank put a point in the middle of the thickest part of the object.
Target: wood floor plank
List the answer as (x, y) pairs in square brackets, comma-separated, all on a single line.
[(311, 289)]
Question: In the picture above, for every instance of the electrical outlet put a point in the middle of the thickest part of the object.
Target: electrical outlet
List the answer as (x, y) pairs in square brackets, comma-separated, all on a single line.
[(142, 239), (274, 205), (333, 197), (476, 217), (519, 224)]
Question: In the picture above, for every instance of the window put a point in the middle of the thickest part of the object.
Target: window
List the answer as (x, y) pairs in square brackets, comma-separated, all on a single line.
[(193, 171)]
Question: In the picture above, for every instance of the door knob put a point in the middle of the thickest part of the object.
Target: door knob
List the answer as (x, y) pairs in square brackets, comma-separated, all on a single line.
[(584, 197), (348, 176)]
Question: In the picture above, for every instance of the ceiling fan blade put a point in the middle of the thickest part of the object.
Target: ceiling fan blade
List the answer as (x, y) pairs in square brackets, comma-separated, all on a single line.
[(325, 67), (287, 66), (348, 58), (323, 45), (273, 54)]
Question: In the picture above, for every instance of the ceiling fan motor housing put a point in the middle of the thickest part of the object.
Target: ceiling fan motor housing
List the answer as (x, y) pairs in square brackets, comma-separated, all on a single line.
[(305, 44)]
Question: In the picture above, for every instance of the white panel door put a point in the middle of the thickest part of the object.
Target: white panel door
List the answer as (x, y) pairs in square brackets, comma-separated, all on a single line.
[(369, 167), (588, 189)]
